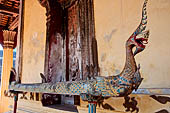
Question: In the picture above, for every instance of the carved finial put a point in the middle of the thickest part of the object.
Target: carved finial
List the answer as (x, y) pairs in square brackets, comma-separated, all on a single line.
[(143, 23)]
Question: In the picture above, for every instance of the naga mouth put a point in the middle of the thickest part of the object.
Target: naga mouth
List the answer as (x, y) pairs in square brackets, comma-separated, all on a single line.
[(144, 40)]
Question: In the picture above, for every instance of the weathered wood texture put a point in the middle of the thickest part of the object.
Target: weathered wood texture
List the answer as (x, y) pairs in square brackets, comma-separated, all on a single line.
[(19, 54), (71, 51), (56, 63), (71, 48), (80, 37)]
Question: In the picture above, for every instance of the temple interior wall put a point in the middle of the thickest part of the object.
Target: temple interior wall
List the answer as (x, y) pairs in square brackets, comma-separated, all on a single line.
[(113, 26), (115, 21), (34, 40)]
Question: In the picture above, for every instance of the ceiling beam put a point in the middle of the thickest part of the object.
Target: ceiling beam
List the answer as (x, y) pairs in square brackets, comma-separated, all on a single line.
[(9, 10), (4, 13)]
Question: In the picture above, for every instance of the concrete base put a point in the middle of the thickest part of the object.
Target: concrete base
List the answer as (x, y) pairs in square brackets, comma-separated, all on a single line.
[(27, 106), (138, 103)]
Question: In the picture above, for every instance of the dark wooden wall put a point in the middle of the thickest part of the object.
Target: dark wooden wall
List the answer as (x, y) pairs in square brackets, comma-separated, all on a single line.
[(71, 47)]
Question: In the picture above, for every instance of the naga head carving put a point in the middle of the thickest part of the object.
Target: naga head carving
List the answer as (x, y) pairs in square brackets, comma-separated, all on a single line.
[(139, 41), (140, 37)]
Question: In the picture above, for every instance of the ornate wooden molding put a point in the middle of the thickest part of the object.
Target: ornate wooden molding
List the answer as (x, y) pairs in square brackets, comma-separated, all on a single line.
[(8, 41), (64, 3)]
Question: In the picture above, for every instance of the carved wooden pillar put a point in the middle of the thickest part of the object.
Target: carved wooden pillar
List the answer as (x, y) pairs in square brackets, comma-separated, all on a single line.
[(8, 45)]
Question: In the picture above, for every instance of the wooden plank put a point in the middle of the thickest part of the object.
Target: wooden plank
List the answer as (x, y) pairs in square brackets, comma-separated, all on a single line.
[(19, 53), (14, 24), (4, 13)]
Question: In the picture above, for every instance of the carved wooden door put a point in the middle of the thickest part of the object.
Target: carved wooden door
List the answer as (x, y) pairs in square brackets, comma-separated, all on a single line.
[(71, 48)]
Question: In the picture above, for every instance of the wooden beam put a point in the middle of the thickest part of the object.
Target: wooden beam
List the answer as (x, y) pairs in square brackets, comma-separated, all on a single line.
[(14, 24), (4, 13), (9, 10), (19, 54), (17, 1)]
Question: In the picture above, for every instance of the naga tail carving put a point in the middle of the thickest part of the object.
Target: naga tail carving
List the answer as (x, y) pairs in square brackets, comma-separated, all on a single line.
[(143, 23)]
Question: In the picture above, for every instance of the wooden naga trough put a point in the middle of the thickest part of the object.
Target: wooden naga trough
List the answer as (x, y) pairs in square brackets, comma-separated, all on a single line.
[(84, 81)]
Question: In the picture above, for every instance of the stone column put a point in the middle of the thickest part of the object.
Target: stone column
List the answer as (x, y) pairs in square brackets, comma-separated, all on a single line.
[(8, 44)]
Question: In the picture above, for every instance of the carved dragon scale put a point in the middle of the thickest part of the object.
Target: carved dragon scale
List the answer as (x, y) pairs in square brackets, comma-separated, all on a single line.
[(113, 86)]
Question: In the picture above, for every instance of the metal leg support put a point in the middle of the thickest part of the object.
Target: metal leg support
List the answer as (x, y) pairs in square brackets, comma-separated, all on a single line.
[(92, 107), (15, 102)]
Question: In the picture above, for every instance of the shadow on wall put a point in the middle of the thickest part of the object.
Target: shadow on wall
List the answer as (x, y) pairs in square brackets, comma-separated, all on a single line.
[(161, 99), (131, 104), (100, 103), (162, 111)]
